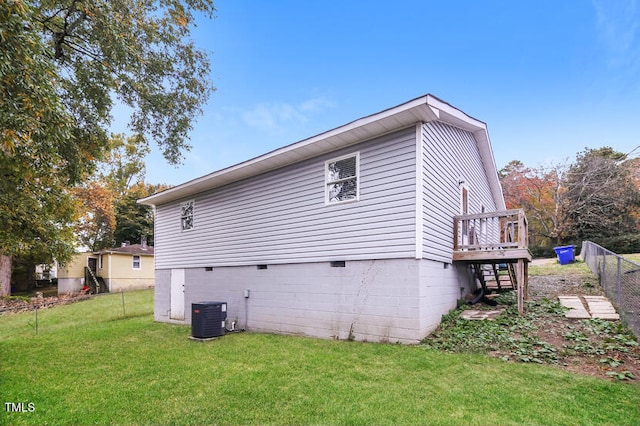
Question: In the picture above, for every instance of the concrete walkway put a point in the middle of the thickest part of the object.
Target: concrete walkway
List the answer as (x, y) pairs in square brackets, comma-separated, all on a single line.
[(598, 307)]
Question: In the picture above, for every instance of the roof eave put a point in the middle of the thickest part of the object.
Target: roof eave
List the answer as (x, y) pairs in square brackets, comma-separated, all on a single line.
[(423, 109)]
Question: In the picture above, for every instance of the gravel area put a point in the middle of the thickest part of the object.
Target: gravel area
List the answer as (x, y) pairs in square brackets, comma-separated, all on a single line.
[(552, 286)]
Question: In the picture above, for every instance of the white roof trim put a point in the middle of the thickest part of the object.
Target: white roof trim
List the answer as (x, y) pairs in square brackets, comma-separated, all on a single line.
[(423, 109)]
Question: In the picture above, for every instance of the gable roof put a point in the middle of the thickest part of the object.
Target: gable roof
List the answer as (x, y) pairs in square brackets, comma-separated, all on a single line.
[(422, 109), (129, 249)]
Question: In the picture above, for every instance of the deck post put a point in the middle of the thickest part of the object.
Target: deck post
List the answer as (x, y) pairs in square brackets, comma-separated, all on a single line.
[(455, 235), (521, 285), (526, 280)]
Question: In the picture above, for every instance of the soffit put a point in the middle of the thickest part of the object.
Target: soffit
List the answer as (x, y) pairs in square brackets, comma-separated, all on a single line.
[(420, 110)]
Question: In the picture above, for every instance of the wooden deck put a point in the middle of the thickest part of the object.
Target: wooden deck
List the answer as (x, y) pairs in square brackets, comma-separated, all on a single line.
[(486, 240)]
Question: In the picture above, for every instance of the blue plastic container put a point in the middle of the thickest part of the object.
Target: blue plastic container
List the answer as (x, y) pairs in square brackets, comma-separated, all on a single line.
[(565, 254)]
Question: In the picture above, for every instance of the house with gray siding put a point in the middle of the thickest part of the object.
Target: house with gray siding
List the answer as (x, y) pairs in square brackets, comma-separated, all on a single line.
[(346, 235)]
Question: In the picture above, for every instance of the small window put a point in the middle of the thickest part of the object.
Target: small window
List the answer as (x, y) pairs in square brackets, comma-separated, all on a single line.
[(338, 264), (186, 215), (341, 179), (136, 262)]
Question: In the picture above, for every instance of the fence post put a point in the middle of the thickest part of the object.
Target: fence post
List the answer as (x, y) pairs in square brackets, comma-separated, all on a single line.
[(597, 261), (619, 298), (124, 313), (603, 277)]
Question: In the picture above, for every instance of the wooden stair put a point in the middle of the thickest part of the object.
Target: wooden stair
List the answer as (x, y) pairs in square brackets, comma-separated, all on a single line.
[(495, 246), (495, 277), (96, 284)]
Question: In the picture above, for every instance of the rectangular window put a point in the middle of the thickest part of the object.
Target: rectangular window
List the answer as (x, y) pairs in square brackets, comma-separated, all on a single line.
[(341, 179), (186, 215), (136, 262)]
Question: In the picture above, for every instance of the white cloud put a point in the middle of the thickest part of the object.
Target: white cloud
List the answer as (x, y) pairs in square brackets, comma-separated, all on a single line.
[(276, 117), (318, 104), (618, 23)]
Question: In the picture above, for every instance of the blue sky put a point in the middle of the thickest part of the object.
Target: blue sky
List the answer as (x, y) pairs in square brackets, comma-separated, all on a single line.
[(548, 77)]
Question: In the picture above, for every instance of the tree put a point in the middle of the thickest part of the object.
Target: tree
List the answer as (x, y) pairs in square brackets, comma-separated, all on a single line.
[(134, 221), (63, 65), (602, 196), (111, 214), (101, 195), (107, 202), (540, 193), (595, 198), (35, 144), (123, 165), (138, 51), (97, 220)]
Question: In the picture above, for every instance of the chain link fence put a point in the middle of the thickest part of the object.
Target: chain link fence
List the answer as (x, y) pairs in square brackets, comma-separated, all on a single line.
[(620, 279)]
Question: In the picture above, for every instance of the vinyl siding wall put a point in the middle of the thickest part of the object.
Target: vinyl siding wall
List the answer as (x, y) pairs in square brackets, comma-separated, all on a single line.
[(281, 216), (71, 275), (450, 154), (75, 267), (117, 271)]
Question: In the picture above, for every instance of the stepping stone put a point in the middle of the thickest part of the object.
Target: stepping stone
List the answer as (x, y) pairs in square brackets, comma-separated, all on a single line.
[(472, 314), (576, 308), (601, 307)]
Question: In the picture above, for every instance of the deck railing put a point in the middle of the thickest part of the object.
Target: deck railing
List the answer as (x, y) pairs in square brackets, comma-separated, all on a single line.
[(491, 231)]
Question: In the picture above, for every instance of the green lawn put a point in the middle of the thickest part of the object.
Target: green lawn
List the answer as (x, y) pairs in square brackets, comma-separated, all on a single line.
[(634, 257), (89, 363), (552, 267)]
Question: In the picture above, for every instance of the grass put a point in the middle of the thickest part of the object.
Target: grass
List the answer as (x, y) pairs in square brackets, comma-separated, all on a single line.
[(634, 257), (93, 363), (552, 267)]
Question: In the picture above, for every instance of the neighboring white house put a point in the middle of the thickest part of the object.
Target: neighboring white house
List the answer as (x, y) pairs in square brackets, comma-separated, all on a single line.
[(348, 234)]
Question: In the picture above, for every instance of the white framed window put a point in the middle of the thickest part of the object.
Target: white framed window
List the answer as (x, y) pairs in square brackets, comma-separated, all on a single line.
[(137, 261), (186, 215), (342, 179)]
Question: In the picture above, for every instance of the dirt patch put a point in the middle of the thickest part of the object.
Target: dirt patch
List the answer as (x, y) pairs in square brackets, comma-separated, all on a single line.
[(594, 347), (11, 305), (552, 286)]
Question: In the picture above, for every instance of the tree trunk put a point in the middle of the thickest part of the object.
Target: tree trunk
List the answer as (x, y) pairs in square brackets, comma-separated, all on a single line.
[(5, 275)]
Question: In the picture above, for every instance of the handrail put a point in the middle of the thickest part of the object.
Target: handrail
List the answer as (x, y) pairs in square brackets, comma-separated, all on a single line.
[(506, 229)]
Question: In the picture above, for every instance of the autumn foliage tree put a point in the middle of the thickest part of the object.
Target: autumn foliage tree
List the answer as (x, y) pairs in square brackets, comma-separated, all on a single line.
[(107, 202), (540, 193), (64, 64), (596, 198), (97, 219)]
